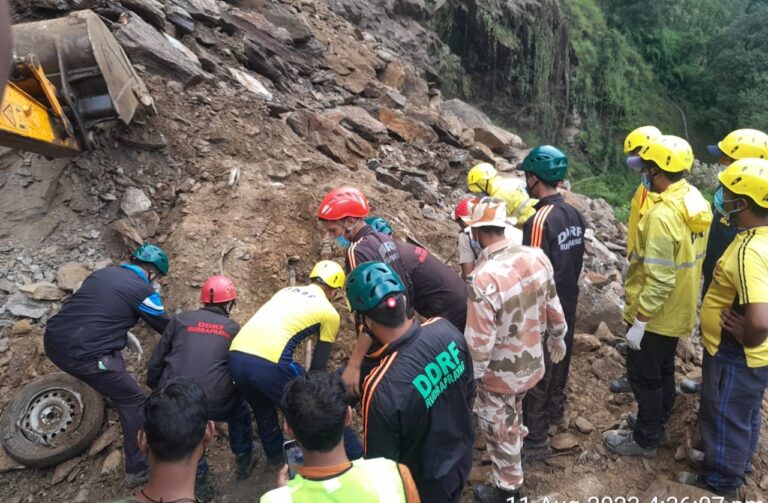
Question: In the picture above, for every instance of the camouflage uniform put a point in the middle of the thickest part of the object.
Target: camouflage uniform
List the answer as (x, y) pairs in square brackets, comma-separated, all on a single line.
[(512, 302)]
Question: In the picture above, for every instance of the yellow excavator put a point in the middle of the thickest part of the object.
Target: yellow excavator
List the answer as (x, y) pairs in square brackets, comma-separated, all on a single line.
[(67, 75)]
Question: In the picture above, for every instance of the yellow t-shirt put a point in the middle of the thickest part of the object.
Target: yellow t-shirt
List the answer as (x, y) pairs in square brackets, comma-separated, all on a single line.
[(740, 278), (291, 316)]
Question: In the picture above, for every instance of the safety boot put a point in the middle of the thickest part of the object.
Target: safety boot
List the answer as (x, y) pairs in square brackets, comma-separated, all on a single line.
[(620, 385), (623, 443), (245, 463), (696, 480), (492, 494), (632, 421)]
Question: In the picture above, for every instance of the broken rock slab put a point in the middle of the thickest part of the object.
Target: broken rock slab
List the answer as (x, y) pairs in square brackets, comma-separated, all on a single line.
[(144, 44), (112, 462), (251, 83), (410, 130), (43, 290), (134, 201), (150, 11), (180, 19), (585, 343), (206, 11), (341, 145), (358, 119), (497, 139), (564, 441), (70, 275), (105, 440), (20, 305), (64, 5)]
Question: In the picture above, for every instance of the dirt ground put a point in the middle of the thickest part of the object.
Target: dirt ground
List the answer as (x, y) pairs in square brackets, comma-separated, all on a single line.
[(56, 212)]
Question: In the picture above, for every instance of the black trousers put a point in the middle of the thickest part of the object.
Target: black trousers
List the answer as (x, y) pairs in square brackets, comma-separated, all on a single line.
[(545, 403), (651, 371)]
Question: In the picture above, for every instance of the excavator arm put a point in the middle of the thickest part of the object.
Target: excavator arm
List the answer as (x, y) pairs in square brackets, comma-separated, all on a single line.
[(69, 74)]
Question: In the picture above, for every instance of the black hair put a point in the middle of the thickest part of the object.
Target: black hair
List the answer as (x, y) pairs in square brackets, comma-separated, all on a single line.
[(315, 407), (491, 229), (174, 419), (391, 312)]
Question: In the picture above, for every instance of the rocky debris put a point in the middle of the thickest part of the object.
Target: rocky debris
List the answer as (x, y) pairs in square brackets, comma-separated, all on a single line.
[(43, 290), (150, 11), (607, 368), (134, 201), (358, 119), (5, 344), (179, 18), (63, 470), (410, 130), (7, 286), (497, 139), (584, 425), (403, 78), (127, 232), (146, 45), (564, 442), (20, 305), (105, 440), (480, 474), (143, 140), (21, 327), (251, 83), (112, 462), (686, 351), (206, 11), (667, 490), (605, 335), (70, 275), (64, 5), (82, 495), (585, 343), (338, 143), (7, 463), (595, 307), (423, 190)]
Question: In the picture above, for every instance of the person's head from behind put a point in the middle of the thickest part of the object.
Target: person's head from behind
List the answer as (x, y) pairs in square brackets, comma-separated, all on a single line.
[(152, 259), (219, 291), (740, 144), (487, 219), (376, 292), (316, 411), (176, 426)]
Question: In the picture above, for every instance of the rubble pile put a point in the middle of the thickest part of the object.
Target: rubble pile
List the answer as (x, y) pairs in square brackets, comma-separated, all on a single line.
[(262, 107)]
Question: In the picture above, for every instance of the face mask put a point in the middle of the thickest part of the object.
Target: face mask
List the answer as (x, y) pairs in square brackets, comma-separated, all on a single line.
[(475, 244), (529, 189), (645, 179), (342, 242), (728, 215)]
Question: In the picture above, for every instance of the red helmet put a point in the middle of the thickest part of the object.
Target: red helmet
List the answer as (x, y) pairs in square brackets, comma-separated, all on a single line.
[(343, 202), (461, 209), (217, 290)]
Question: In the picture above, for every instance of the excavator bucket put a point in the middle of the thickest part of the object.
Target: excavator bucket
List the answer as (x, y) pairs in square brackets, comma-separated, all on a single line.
[(93, 77)]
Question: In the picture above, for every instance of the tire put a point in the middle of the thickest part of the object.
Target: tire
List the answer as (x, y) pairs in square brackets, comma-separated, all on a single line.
[(52, 419)]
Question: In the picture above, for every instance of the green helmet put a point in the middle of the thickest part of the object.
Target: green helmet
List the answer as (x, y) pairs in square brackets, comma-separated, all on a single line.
[(546, 162), (379, 225), (370, 283), (154, 255)]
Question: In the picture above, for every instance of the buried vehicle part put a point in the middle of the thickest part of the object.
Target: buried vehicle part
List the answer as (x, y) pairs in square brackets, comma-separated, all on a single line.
[(52, 419)]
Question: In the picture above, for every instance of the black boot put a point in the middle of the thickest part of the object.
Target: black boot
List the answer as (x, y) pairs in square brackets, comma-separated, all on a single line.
[(621, 385), (492, 494)]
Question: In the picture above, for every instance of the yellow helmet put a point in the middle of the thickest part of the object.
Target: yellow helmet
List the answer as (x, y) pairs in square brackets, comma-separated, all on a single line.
[(747, 177), (741, 144), (669, 153), (330, 272), (640, 138), (479, 177)]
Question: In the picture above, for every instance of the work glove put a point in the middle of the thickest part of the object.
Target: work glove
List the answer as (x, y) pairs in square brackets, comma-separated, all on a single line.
[(557, 349), (635, 334), (135, 346)]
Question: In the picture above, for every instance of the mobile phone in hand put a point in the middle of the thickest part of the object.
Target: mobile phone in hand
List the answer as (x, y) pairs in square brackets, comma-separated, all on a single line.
[(293, 457)]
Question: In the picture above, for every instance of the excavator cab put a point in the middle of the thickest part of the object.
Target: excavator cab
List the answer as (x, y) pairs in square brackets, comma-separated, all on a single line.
[(68, 74)]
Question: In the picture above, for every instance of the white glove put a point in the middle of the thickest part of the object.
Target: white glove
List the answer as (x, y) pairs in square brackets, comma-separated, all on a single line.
[(135, 346), (557, 349), (635, 334)]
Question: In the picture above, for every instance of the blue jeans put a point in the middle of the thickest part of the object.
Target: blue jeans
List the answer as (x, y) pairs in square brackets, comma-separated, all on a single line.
[(261, 383), (729, 420), (238, 418)]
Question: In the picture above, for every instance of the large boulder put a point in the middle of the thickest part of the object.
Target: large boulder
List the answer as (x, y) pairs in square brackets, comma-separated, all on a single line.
[(410, 130), (358, 119), (134, 201), (595, 306), (144, 44), (485, 132)]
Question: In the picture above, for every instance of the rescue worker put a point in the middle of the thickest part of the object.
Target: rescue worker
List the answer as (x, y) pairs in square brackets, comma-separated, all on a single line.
[(85, 337), (437, 290), (416, 400), (483, 179), (195, 345), (512, 303), (558, 229), (639, 205), (738, 144), (661, 289), (468, 248), (734, 328), (316, 412), (341, 213), (261, 355)]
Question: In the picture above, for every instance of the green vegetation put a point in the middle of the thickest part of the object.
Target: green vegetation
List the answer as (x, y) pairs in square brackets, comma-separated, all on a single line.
[(693, 68)]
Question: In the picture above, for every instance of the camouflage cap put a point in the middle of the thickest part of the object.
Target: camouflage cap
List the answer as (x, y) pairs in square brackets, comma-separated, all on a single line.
[(486, 212)]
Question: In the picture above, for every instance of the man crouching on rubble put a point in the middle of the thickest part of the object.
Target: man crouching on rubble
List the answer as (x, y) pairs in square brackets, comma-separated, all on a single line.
[(85, 337)]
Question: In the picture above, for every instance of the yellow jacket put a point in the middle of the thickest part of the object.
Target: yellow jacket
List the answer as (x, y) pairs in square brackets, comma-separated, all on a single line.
[(519, 204), (638, 207), (665, 268)]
